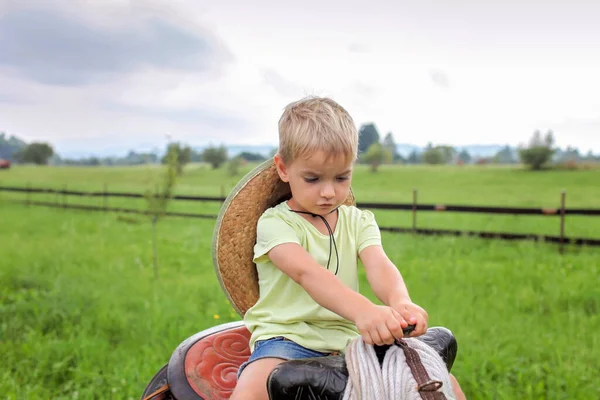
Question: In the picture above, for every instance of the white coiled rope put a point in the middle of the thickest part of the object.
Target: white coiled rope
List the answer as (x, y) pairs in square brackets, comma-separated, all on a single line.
[(393, 380)]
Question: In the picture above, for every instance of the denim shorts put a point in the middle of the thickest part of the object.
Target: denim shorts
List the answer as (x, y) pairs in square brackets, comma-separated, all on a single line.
[(279, 347)]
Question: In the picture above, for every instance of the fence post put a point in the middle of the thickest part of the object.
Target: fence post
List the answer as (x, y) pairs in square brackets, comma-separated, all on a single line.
[(414, 211), (28, 193), (104, 197), (562, 221), (65, 196), (157, 199), (222, 192)]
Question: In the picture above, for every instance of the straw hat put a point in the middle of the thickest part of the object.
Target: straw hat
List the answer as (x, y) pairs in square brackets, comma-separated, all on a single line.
[(235, 232)]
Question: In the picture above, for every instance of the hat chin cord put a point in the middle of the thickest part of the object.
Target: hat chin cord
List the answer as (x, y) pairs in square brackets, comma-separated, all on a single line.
[(332, 243)]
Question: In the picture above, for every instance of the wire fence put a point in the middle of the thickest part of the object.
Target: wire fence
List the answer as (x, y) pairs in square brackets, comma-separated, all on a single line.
[(560, 212)]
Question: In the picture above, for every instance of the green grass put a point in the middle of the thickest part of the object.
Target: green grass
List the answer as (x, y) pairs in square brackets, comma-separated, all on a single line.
[(478, 185), (472, 185), (81, 315)]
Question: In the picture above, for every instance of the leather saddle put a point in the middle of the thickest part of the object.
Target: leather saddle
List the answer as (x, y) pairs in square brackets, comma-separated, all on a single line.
[(204, 367)]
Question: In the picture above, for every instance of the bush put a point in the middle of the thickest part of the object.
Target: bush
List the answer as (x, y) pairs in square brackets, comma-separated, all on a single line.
[(377, 154), (539, 152), (233, 167), (215, 156)]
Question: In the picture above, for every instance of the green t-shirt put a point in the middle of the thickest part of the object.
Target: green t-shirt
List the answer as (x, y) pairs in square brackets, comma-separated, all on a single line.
[(284, 308)]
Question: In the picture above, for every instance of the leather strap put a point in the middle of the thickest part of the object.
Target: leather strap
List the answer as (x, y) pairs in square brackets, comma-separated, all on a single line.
[(161, 390), (427, 387)]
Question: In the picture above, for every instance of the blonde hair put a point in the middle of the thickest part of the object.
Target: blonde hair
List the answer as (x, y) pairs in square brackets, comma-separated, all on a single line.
[(316, 124)]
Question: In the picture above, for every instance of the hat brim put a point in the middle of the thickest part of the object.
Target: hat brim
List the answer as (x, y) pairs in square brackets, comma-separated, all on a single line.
[(235, 232)]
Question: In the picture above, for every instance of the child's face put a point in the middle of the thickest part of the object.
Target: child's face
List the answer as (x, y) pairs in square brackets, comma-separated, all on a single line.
[(319, 183)]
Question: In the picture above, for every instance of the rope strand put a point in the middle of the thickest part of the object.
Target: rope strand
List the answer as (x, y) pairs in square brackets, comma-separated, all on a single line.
[(393, 380)]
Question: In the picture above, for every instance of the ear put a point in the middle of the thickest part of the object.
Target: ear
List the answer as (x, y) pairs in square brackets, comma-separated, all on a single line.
[(281, 168)]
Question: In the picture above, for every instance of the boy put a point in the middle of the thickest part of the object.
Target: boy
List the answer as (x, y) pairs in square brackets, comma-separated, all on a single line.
[(307, 252)]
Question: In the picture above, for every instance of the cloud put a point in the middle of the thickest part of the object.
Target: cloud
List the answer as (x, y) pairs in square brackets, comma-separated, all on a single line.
[(283, 86), (578, 132), (440, 78), (6, 98), (49, 47), (188, 115), (364, 90), (359, 48)]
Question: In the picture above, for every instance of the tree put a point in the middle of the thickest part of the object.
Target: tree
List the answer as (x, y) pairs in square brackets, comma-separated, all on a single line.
[(413, 157), (448, 153), (433, 155), (539, 152), (390, 145), (10, 146), (195, 156), (233, 166), (368, 135), (571, 154), (36, 153), (184, 155), (216, 156), (376, 155), (505, 156), (158, 201), (464, 156), (589, 156), (251, 157)]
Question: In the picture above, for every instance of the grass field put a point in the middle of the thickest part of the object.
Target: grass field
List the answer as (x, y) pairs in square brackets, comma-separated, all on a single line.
[(486, 186), (81, 315)]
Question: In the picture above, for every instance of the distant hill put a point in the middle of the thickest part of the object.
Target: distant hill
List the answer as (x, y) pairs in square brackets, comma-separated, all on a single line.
[(95, 148), (404, 149), (475, 150), (9, 145), (235, 149), (127, 149), (482, 150)]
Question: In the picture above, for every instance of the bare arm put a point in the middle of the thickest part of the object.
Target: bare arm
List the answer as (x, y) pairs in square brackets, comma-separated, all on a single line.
[(321, 284), (376, 324), (383, 276), (389, 287)]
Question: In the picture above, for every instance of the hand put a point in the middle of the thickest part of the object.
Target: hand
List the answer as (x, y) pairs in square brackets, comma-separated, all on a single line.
[(379, 325), (412, 314)]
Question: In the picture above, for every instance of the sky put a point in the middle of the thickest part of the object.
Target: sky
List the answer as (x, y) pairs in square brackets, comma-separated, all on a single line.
[(99, 75)]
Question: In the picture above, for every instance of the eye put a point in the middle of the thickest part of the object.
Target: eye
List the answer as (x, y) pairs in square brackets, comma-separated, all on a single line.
[(342, 178), (310, 179)]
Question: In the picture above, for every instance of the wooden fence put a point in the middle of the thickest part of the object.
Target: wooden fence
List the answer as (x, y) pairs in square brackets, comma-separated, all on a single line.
[(414, 207)]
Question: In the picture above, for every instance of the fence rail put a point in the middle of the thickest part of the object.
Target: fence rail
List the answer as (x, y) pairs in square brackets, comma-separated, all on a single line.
[(561, 212), (380, 206)]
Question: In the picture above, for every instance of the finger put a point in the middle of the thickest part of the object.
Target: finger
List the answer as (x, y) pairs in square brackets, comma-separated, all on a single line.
[(367, 338), (385, 334), (375, 336), (395, 328), (408, 316), (422, 325), (399, 318)]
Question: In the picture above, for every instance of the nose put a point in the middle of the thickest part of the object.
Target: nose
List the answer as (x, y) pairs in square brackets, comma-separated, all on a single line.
[(327, 191)]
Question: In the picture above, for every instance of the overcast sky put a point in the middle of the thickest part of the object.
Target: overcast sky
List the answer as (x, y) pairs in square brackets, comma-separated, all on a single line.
[(126, 73)]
